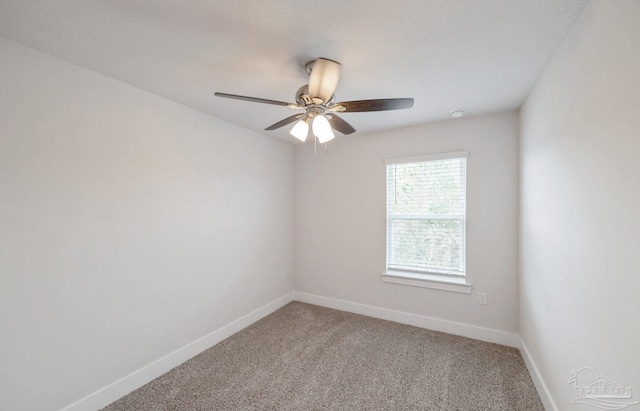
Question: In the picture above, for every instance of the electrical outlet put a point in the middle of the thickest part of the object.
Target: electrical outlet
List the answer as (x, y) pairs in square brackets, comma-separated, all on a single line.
[(482, 298)]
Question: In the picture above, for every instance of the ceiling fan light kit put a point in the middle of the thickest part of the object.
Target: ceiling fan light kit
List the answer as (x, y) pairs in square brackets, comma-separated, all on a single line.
[(317, 99), (322, 129), (301, 129)]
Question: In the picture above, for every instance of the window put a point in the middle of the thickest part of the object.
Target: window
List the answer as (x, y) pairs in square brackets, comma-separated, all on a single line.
[(426, 211)]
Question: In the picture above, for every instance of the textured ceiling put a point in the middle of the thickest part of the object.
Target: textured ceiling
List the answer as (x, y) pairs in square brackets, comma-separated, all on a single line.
[(481, 56)]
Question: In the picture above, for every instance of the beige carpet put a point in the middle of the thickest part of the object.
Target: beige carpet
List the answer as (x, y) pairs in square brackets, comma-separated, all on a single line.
[(304, 357)]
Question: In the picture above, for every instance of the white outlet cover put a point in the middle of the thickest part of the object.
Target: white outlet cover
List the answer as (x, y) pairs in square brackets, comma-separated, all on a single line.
[(482, 298)]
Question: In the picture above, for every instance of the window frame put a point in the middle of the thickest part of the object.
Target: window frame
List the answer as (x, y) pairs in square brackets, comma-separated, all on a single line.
[(432, 278)]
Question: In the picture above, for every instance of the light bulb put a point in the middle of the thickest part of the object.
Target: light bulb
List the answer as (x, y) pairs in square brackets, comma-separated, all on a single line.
[(322, 129), (300, 130)]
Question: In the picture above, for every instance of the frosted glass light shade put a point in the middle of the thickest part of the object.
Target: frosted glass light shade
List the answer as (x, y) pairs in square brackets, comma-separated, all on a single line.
[(322, 129), (300, 130)]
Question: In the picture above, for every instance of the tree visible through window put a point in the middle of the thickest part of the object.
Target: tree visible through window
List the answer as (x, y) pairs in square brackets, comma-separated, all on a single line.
[(426, 209)]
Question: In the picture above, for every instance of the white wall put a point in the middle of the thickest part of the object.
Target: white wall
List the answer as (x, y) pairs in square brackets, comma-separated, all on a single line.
[(340, 222), (129, 227), (580, 196)]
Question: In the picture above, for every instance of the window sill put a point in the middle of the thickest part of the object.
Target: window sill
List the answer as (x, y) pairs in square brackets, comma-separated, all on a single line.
[(427, 281)]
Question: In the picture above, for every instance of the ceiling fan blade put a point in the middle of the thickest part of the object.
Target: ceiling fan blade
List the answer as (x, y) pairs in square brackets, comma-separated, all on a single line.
[(381, 104), (324, 78), (256, 100), (339, 124), (284, 122)]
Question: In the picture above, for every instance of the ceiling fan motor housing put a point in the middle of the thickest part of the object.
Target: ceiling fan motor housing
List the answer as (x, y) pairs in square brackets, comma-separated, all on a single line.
[(304, 99), (302, 96)]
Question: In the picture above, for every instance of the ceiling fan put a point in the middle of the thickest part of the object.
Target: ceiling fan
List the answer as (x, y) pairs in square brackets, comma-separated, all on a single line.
[(317, 99)]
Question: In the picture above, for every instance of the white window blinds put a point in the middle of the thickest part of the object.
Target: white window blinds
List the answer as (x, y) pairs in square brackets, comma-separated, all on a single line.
[(426, 208)]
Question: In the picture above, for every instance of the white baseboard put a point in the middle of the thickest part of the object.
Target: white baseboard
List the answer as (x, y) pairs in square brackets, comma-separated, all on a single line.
[(137, 379), (436, 324), (541, 387)]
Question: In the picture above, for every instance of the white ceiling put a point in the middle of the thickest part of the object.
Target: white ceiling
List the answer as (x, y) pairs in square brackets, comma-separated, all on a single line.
[(481, 56)]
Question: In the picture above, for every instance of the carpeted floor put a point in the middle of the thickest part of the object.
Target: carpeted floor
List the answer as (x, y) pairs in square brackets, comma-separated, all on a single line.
[(304, 357)]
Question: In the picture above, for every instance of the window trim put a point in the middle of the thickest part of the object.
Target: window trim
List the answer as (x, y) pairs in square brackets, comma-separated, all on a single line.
[(428, 157), (435, 279), (437, 282)]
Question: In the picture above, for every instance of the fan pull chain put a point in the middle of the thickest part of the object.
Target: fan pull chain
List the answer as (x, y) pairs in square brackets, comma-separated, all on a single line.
[(315, 149)]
